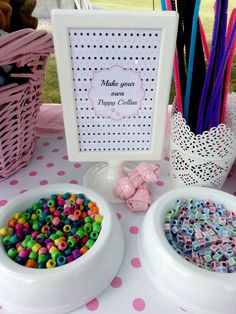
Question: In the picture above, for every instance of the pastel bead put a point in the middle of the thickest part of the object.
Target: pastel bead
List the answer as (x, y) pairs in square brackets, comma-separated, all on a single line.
[(202, 232)]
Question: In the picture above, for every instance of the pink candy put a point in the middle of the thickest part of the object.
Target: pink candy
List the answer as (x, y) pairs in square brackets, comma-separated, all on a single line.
[(133, 187), (140, 201), (124, 188)]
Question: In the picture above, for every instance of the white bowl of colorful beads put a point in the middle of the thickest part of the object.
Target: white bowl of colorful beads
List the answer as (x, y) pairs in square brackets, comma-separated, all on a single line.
[(60, 247), (188, 249)]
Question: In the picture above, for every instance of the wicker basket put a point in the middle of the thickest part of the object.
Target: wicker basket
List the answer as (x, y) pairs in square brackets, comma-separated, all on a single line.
[(19, 103)]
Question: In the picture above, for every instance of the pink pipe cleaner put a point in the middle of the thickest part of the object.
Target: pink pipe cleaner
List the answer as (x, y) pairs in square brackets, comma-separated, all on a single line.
[(176, 72), (204, 41)]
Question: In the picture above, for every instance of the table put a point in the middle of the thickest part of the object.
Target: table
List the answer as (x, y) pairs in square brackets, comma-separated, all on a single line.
[(130, 291)]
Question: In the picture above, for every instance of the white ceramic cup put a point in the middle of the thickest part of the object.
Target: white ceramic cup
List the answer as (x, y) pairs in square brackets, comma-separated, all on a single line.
[(65, 288), (193, 288)]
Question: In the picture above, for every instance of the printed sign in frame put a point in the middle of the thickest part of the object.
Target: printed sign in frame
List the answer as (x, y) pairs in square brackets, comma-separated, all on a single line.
[(114, 73)]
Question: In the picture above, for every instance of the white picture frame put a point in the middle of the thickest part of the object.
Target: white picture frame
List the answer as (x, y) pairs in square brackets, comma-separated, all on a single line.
[(63, 22)]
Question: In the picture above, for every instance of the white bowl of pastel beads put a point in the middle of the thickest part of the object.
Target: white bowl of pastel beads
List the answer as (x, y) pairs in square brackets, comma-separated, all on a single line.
[(187, 246), (73, 250)]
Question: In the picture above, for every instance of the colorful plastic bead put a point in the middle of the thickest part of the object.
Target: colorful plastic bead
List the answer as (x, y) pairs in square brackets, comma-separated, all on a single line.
[(52, 232), (71, 242), (51, 263), (4, 231), (62, 245), (12, 253), (33, 255), (61, 260)]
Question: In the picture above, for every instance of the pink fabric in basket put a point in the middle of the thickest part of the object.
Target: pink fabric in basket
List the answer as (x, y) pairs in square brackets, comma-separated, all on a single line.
[(49, 120)]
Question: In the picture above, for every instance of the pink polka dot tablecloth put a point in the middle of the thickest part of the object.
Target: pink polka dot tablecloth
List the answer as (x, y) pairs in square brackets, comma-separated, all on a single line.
[(130, 291)]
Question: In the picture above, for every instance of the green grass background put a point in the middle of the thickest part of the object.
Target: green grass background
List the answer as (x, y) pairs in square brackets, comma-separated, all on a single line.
[(50, 93)]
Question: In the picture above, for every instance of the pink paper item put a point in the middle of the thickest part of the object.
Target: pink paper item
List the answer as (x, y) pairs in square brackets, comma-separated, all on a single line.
[(135, 178), (148, 171), (124, 188), (140, 201)]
